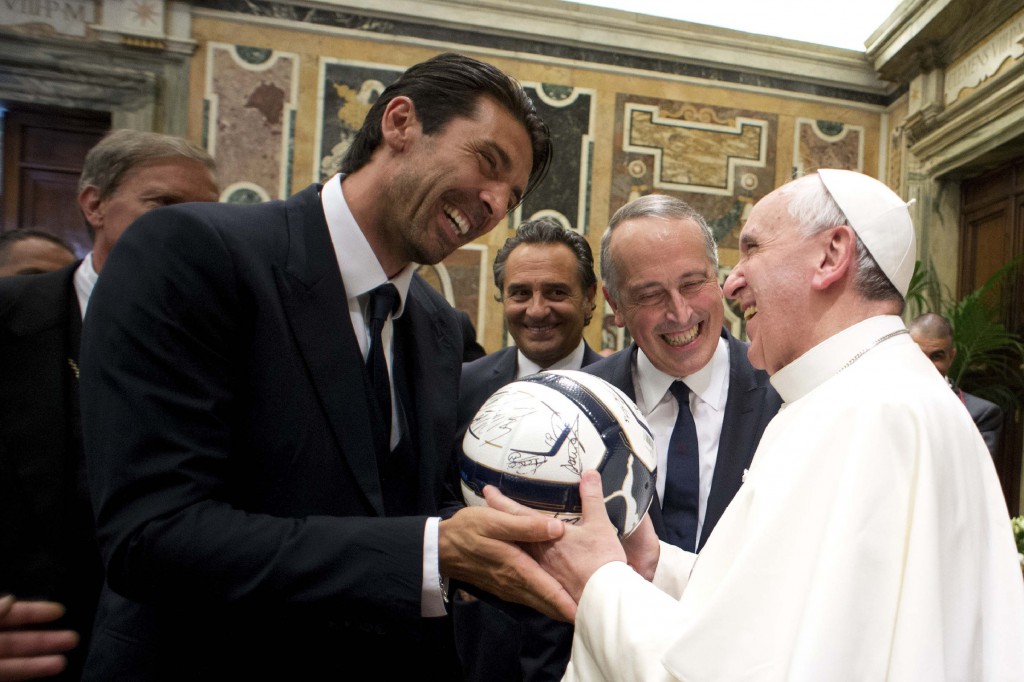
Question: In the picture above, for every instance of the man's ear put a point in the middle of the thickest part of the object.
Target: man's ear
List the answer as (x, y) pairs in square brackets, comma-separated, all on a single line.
[(838, 254), (589, 305), (620, 319), (399, 123), (92, 206)]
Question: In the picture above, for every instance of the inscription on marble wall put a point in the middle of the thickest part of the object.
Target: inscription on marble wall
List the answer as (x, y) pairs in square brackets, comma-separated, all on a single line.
[(249, 127), (985, 59), (69, 17), (827, 144)]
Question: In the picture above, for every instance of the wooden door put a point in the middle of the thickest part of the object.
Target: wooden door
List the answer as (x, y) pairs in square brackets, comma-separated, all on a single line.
[(43, 151), (992, 234)]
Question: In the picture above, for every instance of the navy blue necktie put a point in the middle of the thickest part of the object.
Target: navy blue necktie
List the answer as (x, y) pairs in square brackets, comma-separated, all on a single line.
[(682, 478), (383, 302)]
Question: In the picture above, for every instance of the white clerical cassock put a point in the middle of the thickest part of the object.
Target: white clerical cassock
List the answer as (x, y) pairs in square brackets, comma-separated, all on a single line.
[(870, 541)]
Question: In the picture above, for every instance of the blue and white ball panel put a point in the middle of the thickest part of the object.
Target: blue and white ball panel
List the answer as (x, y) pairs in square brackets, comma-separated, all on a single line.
[(534, 437)]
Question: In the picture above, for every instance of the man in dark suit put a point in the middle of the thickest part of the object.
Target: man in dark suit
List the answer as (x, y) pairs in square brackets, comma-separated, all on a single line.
[(47, 540), (659, 263), (267, 445), (934, 334), (546, 285)]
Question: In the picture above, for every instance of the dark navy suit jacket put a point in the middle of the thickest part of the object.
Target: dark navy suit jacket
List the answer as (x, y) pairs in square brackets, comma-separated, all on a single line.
[(47, 540), (486, 375), (246, 526), (750, 405), (987, 416)]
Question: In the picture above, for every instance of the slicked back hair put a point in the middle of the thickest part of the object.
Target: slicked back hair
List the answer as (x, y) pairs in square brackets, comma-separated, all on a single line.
[(446, 87), (547, 231)]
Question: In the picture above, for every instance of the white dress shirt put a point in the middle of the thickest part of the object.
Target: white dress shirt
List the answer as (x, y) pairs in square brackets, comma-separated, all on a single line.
[(85, 279), (361, 273), (525, 366), (709, 391)]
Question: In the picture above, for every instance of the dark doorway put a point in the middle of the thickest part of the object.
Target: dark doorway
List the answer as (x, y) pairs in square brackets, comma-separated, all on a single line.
[(992, 234), (43, 151)]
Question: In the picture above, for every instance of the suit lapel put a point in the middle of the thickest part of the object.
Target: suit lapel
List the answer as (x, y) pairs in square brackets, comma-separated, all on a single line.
[(430, 371), (622, 371), (505, 369), (314, 300), (735, 446)]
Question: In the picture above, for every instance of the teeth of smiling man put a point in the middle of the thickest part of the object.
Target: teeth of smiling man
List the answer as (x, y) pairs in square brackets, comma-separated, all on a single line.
[(683, 338), (459, 220), (750, 312)]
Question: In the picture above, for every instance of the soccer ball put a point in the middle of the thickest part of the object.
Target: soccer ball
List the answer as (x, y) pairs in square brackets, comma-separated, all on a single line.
[(534, 437)]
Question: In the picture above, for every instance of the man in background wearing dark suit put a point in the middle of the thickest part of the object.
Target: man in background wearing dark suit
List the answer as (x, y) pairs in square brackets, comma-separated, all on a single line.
[(546, 286), (268, 447), (47, 540), (934, 334), (659, 263)]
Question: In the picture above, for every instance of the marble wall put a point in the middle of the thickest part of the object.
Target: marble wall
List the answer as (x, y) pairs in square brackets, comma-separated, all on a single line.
[(282, 98)]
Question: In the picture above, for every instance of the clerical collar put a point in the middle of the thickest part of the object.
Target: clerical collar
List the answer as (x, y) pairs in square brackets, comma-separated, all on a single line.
[(525, 366), (360, 270), (709, 382), (834, 354)]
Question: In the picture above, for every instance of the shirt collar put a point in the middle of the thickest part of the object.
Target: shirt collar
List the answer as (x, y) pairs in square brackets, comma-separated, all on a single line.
[(826, 359), (526, 366), (709, 383), (85, 280), (360, 270)]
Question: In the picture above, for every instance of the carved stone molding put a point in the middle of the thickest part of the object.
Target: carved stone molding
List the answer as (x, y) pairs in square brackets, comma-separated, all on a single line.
[(143, 89), (973, 127), (599, 35)]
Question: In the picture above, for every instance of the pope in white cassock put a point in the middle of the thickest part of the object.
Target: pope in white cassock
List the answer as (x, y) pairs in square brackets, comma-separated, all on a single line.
[(870, 539)]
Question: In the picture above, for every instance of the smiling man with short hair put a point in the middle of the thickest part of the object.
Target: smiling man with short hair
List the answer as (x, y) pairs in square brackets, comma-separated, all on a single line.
[(869, 540)]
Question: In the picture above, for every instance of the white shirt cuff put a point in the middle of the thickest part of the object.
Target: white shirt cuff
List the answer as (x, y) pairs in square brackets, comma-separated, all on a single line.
[(431, 599)]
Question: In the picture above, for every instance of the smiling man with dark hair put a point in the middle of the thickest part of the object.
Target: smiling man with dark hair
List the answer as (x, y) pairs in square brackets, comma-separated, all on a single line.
[(268, 448)]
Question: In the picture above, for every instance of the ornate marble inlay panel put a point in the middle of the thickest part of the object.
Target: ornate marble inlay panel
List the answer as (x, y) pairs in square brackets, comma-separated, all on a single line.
[(827, 144), (251, 97), (719, 160)]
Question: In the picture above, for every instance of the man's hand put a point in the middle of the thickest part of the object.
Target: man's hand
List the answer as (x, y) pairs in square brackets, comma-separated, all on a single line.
[(643, 549), (478, 546), (28, 654), (584, 547)]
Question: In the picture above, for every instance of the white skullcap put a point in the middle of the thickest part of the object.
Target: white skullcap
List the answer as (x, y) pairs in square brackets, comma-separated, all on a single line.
[(881, 220)]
